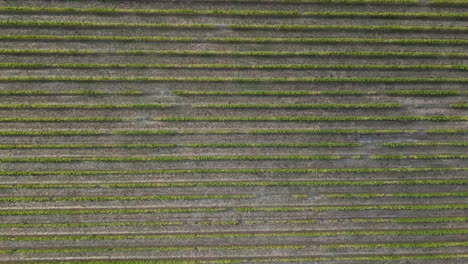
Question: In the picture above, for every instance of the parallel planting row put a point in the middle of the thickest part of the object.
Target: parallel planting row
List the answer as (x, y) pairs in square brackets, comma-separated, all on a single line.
[(227, 132), (233, 145), (245, 131)]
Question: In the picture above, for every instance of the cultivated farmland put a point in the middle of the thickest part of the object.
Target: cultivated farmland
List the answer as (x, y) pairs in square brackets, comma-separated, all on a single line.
[(234, 131)]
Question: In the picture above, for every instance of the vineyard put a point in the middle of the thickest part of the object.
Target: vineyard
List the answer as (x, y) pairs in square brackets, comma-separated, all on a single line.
[(234, 131)]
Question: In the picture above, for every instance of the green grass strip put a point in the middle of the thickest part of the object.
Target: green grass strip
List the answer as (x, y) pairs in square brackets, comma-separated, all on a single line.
[(352, 208), (397, 258), (309, 118), (288, 27), (230, 79), (293, 13), (414, 245), (387, 15), (295, 106), (231, 170), (408, 220), (422, 92), (440, 2), (69, 10), (425, 144), (230, 184), (372, 54), (337, 1), (270, 93), (132, 261), (419, 156), (147, 132), (314, 259), (396, 195), (448, 2), (202, 132), (271, 145), (421, 232), (51, 133), (302, 27), (301, 93), (98, 38), (126, 198), (62, 24), (266, 131), (81, 106), (439, 156), (152, 223), (236, 66), (60, 119), (331, 40), (166, 158), (446, 131), (232, 222), (155, 249), (110, 211), (273, 259), (186, 145), (459, 105), (90, 224), (72, 92), (411, 220), (84, 146), (237, 40)]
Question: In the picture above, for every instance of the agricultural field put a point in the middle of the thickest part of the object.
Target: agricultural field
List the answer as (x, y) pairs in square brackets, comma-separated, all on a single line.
[(234, 131)]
